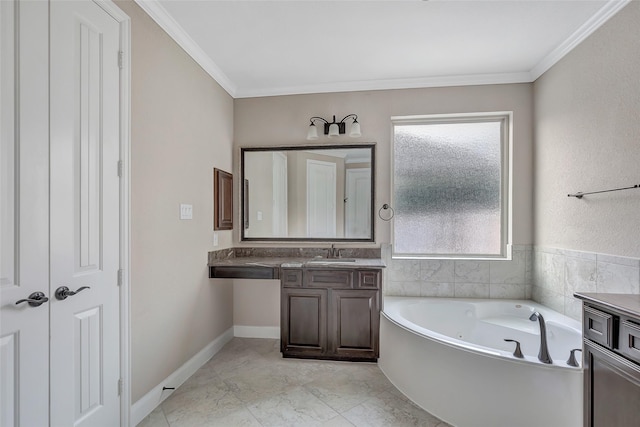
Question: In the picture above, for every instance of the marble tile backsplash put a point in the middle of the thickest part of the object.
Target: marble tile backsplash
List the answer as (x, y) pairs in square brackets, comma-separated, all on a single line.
[(461, 278), (558, 273)]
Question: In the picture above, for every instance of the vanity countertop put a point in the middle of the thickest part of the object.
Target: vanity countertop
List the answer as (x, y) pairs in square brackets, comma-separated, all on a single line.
[(265, 263), (626, 303), (296, 257), (298, 262)]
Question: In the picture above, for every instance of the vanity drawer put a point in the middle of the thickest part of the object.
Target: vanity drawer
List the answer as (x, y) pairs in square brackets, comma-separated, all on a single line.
[(291, 277), (329, 278), (598, 326), (368, 279), (630, 340)]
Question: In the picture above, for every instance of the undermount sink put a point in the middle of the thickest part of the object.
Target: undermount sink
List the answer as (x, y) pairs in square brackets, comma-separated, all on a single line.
[(331, 261)]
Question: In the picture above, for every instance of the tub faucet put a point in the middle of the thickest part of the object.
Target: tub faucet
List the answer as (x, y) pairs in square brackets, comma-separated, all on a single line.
[(543, 354)]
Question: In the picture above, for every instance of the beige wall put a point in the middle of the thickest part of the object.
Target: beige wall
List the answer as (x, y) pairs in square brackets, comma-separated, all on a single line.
[(283, 120), (256, 303), (182, 127), (587, 138)]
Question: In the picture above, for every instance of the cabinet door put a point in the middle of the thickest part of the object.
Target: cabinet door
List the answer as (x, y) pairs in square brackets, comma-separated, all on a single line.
[(611, 388), (304, 322), (354, 318)]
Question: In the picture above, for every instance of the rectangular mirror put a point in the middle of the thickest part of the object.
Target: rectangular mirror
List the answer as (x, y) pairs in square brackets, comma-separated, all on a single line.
[(308, 193)]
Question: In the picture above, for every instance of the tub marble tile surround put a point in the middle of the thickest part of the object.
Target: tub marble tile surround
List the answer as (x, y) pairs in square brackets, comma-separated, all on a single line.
[(558, 273), (549, 276), (461, 278)]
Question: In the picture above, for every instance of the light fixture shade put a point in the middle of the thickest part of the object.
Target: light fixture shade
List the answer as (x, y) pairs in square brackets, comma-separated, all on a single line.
[(312, 133), (334, 130), (355, 130)]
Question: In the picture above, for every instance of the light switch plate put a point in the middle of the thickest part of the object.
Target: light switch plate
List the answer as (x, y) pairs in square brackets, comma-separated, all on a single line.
[(215, 239), (186, 211)]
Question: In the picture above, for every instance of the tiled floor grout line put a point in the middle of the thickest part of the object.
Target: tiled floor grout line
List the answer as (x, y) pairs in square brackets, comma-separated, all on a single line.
[(249, 384)]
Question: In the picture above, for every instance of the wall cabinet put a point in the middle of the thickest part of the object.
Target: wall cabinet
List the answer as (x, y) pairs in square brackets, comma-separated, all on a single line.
[(611, 359), (330, 313), (223, 200)]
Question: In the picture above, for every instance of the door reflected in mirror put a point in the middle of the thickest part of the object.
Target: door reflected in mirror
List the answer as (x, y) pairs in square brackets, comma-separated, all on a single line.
[(308, 193)]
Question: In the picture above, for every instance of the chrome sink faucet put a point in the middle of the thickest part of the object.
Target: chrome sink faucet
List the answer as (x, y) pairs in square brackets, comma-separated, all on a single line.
[(543, 354), (333, 252)]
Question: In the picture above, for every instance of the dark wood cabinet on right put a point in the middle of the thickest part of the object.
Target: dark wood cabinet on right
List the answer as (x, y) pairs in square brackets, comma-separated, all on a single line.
[(611, 327), (354, 318), (330, 313)]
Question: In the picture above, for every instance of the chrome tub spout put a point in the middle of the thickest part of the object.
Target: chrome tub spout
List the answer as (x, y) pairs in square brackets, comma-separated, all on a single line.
[(543, 354)]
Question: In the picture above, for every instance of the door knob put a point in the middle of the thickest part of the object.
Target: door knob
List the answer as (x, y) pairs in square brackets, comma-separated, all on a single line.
[(63, 292), (36, 299)]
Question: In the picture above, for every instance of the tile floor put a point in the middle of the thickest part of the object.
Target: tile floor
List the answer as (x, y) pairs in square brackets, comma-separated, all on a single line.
[(248, 383)]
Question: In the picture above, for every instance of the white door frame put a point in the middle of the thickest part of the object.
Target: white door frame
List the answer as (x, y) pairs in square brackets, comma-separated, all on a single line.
[(351, 176), (279, 222), (125, 206), (319, 163)]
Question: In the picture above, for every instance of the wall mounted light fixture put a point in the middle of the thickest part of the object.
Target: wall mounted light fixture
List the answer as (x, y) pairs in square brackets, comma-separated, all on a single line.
[(335, 128)]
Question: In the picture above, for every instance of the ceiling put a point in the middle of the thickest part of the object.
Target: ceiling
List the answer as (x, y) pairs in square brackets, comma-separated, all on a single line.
[(264, 48)]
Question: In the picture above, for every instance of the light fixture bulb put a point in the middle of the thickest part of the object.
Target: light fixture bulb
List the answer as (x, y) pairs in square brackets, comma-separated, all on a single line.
[(355, 130), (334, 130), (312, 133)]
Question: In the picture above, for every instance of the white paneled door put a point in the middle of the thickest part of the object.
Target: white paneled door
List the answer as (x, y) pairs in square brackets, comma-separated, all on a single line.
[(321, 199), (280, 215), (24, 214), (60, 212), (85, 149), (358, 203)]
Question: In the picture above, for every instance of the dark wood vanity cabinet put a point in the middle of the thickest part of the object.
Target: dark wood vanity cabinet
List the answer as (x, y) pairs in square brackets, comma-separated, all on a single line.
[(304, 322), (354, 323), (611, 328), (330, 313)]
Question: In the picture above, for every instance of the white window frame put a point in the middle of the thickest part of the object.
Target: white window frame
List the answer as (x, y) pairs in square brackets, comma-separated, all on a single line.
[(506, 230)]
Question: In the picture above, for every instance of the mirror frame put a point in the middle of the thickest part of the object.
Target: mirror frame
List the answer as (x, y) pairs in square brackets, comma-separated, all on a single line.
[(244, 196)]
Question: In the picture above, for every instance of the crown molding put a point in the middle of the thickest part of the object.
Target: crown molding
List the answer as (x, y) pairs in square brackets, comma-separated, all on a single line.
[(414, 83), (160, 15), (596, 21)]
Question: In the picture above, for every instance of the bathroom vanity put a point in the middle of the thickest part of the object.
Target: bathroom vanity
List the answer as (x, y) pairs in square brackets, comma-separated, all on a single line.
[(329, 307), (611, 329), (330, 312)]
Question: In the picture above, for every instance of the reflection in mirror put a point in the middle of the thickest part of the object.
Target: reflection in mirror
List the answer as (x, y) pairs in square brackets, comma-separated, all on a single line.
[(308, 193)]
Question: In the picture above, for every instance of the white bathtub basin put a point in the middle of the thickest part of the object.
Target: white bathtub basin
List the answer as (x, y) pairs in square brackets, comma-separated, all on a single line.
[(449, 356)]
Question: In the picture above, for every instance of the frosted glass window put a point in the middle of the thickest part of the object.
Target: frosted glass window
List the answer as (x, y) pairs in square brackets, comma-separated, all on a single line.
[(448, 187)]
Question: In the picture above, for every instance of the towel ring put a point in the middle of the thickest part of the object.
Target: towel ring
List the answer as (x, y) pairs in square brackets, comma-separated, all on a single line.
[(386, 207)]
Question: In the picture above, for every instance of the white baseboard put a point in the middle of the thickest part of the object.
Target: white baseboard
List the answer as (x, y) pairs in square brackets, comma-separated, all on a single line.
[(256, 331), (147, 403)]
